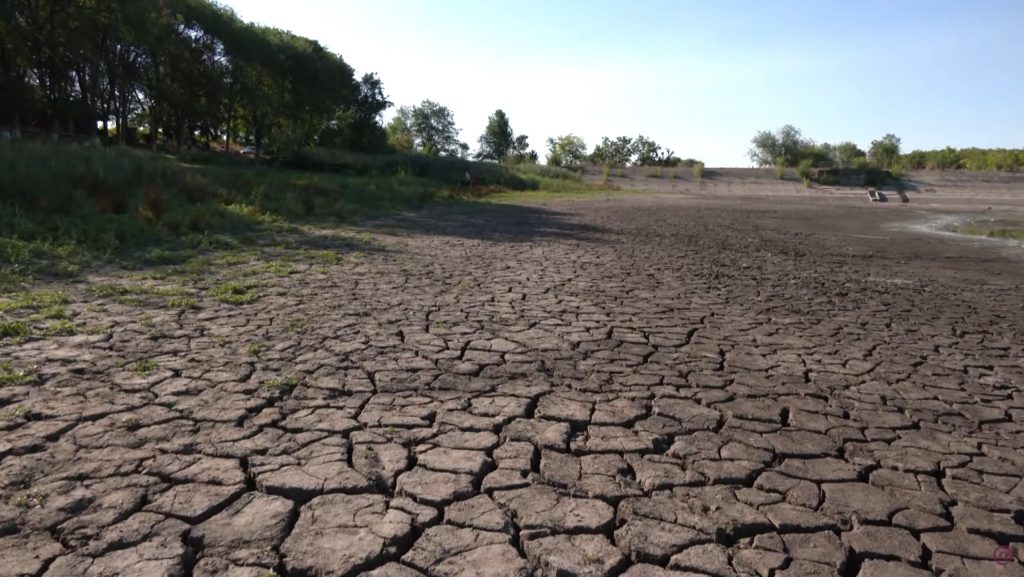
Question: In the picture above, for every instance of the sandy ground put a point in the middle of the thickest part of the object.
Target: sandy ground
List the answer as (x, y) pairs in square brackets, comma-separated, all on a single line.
[(741, 377)]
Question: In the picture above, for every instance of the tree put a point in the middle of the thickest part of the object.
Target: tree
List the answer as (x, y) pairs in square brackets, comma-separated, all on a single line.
[(433, 129), (567, 151), (786, 147), (497, 141), (885, 152), (646, 152), (399, 131), (849, 155), (521, 152), (358, 127), (616, 152)]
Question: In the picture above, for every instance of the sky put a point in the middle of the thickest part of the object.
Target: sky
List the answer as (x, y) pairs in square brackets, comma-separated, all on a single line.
[(700, 78)]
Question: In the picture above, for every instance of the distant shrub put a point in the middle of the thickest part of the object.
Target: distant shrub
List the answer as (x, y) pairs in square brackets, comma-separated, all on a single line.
[(803, 169), (698, 170), (780, 168)]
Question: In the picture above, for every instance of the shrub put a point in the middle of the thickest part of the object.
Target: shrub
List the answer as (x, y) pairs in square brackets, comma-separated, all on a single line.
[(804, 168), (780, 168), (698, 171)]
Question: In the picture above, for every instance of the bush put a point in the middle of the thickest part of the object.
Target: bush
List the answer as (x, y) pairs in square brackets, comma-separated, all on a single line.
[(698, 171), (804, 168), (780, 168)]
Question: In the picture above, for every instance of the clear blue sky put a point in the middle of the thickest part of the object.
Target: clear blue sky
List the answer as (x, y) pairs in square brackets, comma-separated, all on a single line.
[(698, 77)]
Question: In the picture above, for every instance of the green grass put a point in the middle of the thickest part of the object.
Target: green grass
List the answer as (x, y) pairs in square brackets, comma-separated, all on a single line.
[(10, 376), (278, 384), (182, 302), (144, 367), (992, 228), (235, 292), (16, 330), (36, 301), (68, 208), (61, 328)]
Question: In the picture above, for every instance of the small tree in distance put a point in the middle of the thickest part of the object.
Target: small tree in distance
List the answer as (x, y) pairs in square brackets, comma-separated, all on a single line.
[(885, 152), (567, 151), (521, 152), (497, 141)]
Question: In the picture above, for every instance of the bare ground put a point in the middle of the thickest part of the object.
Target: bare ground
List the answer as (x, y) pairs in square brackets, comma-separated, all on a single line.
[(718, 379)]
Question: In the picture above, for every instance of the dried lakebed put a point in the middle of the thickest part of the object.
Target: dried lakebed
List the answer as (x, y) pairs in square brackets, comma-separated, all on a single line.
[(647, 387)]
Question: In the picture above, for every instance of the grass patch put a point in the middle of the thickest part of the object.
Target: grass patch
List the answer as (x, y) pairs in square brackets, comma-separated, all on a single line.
[(144, 367), (279, 384), (236, 292), (11, 376), (34, 300), (182, 302), (14, 413), (254, 349), (16, 330), (280, 268), (60, 328), (65, 208), (992, 228)]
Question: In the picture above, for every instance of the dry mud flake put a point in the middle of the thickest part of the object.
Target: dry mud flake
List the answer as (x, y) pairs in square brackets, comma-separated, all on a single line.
[(340, 535)]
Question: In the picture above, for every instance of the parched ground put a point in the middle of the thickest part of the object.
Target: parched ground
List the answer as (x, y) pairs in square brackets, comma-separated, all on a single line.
[(648, 386)]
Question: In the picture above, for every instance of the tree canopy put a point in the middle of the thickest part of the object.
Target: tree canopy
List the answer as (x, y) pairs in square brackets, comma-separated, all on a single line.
[(885, 152), (428, 128), (179, 71), (498, 140), (566, 151)]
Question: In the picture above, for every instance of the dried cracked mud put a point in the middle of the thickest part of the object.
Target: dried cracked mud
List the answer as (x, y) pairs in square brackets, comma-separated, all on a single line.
[(638, 386)]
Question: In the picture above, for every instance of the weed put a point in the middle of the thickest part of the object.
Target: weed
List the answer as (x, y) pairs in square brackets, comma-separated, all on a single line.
[(780, 169), (130, 301), (16, 330), (14, 413), (60, 328), (325, 256), (37, 301), (698, 171), (182, 302), (235, 292), (254, 349), (131, 422), (280, 268), (10, 376), (278, 384), (297, 325), (30, 499), (144, 367)]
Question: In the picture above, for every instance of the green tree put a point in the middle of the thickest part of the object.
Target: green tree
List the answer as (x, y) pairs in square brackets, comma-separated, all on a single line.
[(567, 151), (399, 131), (646, 152), (785, 146), (885, 152), (616, 152), (521, 152), (497, 141), (849, 155), (433, 127)]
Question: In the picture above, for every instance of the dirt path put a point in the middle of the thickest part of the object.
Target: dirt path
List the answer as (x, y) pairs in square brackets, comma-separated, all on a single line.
[(642, 386)]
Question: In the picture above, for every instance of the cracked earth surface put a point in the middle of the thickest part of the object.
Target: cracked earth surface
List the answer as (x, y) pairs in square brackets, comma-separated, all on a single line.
[(641, 387)]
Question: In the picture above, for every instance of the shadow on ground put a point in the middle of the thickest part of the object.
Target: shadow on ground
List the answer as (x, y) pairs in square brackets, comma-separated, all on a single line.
[(491, 222)]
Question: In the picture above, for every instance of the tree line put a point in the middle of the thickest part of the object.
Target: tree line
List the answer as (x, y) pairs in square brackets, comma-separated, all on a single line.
[(788, 148), (176, 70)]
